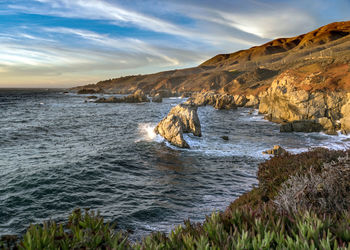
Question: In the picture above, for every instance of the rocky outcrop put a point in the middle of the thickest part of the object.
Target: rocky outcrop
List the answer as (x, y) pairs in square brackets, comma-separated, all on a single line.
[(138, 97), (345, 120), (277, 150), (302, 126), (252, 101), (225, 102), (183, 118), (171, 129), (218, 101), (157, 98), (240, 100), (164, 93), (89, 91), (290, 100)]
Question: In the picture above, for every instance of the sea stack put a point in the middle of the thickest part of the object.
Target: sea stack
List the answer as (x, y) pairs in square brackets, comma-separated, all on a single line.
[(181, 119)]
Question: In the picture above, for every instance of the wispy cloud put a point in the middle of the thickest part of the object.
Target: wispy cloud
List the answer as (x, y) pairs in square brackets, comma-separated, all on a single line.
[(65, 41)]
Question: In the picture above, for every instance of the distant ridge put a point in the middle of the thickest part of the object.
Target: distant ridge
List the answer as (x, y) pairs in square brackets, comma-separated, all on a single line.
[(247, 71), (317, 37)]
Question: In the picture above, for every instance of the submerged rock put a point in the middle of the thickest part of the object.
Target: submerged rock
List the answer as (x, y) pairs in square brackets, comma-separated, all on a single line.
[(183, 118), (225, 137), (92, 97), (277, 150)]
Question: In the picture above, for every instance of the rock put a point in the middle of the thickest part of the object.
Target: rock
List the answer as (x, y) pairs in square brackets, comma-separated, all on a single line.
[(218, 101), (164, 93), (203, 98), (225, 137), (240, 100), (225, 102), (302, 126), (328, 126), (183, 118), (138, 97), (290, 99), (186, 94), (345, 120), (157, 98), (253, 101), (189, 117), (92, 97), (277, 150), (171, 129), (89, 91)]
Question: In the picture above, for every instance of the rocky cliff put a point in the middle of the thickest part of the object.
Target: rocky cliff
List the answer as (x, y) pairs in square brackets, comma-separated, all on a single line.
[(302, 82), (319, 95)]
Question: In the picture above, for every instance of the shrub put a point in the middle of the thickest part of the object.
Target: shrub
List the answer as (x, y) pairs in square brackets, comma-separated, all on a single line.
[(86, 231), (277, 170), (324, 192)]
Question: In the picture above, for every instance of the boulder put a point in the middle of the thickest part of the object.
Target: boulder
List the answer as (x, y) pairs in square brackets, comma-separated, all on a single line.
[(302, 126), (240, 100), (225, 102), (218, 101), (171, 129), (157, 98), (183, 118), (189, 118), (203, 98), (225, 137), (92, 97), (137, 97), (277, 150)]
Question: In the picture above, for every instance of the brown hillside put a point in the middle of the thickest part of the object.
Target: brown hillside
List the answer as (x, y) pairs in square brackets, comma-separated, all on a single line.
[(319, 36), (250, 71)]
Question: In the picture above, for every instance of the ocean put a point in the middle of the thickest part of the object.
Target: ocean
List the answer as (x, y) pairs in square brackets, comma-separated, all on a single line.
[(58, 153)]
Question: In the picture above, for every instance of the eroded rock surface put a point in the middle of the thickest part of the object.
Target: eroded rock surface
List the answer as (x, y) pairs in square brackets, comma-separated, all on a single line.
[(290, 100), (183, 118)]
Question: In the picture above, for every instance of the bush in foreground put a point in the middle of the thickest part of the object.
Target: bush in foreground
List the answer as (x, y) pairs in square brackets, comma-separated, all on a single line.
[(241, 229)]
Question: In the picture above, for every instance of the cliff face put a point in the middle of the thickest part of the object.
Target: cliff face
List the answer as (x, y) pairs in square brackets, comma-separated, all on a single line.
[(317, 95)]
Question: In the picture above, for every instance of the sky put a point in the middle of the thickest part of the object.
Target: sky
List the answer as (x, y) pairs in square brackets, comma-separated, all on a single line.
[(65, 43)]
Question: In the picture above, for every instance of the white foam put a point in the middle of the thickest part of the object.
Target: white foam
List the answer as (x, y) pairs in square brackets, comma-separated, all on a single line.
[(146, 130)]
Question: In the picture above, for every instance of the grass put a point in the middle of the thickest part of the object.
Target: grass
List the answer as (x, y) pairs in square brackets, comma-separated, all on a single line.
[(251, 222)]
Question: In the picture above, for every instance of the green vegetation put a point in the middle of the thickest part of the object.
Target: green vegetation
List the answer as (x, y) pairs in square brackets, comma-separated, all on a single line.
[(255, 221)]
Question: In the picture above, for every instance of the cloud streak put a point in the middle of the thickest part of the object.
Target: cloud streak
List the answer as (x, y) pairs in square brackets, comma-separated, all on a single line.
[(65, 41)]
